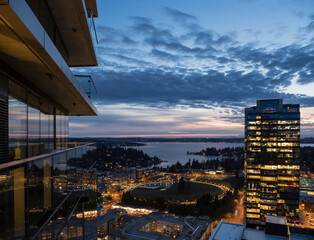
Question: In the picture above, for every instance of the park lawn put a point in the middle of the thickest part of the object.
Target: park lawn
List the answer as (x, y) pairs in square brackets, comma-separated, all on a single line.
[(229, 181), (192, 192)]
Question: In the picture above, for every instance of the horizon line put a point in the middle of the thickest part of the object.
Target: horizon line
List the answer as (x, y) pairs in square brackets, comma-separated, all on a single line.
[(164, 135)]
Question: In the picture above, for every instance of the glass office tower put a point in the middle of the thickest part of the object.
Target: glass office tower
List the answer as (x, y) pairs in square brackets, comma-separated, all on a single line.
[(272, 146), (48, 186)]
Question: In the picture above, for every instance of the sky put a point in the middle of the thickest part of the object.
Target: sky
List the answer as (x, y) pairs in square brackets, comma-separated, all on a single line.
[(180, 68)]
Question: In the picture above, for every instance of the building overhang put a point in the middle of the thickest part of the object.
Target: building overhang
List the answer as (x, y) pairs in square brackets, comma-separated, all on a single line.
[(92, 5), (76, 26), (30, 56)]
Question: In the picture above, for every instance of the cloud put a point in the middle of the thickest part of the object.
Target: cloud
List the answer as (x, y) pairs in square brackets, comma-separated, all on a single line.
[(156, 87), (195, 69), (164, 55), (309, 28), (110, 36), (299, 14), (139, 19), (179, 16), (253, 32), (131, 119), (306, 77), (154, 66)]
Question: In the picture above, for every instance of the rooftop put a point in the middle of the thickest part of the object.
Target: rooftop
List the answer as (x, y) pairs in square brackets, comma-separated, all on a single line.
[(110, 215), (194, 227), (234, 231), (228, 231), (277, 220)]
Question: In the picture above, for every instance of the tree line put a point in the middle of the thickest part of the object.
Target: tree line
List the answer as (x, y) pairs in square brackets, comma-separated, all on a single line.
[(206, 205)]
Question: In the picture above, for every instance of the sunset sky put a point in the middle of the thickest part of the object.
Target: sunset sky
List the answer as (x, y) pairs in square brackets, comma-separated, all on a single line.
[(171, 68)]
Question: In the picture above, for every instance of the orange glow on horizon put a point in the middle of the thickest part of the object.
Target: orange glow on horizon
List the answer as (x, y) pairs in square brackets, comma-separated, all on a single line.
[(169, 135)]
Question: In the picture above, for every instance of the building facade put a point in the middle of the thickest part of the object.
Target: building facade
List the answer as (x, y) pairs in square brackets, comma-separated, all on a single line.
[(160, 226), (110, 222), (47, 186), (272, 168), (273, 229)]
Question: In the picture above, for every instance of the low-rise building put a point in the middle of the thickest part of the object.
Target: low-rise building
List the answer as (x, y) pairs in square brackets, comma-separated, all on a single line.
[(164, 226), (109, 222), (275, 228)]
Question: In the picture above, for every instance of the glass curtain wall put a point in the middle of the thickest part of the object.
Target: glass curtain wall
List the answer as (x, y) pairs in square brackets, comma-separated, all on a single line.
[(272, 144), (31, 192), (17, 129), (31, 126), (62, 130), (47, 131)]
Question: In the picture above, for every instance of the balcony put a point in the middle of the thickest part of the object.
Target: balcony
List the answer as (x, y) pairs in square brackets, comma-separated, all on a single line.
[(88, 85), (41, 196), (77, 28), (30, 57)]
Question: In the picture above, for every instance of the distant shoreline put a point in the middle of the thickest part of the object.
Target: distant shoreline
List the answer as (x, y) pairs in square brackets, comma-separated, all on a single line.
[(130, 141)]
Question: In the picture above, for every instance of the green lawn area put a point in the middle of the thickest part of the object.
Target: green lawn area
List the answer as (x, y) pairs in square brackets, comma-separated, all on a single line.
[(229, 181), (192, 191)]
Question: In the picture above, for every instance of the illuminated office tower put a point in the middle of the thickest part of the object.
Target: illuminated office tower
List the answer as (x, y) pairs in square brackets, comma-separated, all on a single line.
[(47, 185), (272, 145)]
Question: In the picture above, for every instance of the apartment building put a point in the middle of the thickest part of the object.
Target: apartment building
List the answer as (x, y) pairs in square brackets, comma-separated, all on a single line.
[(272, 167), (47, 188), (160, 226)]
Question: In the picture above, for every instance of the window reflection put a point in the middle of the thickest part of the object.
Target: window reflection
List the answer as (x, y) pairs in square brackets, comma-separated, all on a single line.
[(60, 178), (40, 197), (31, 131), (17, 129), (12, 203), (62, 130), (46, 132), (34, 147)]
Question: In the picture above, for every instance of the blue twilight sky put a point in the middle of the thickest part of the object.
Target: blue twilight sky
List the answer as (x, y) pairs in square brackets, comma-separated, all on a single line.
[(174, 68)]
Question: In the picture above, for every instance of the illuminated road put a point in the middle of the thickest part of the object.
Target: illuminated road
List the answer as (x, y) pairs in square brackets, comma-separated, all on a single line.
[(238, 215), (222, 187), (307, 219)]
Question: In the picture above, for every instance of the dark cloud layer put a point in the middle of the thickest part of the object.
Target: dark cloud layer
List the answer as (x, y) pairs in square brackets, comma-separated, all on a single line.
[(153, 65), (310, 26), (154, 87)]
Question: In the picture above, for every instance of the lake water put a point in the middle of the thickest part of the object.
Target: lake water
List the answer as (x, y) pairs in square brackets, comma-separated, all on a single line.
[(172, 152)]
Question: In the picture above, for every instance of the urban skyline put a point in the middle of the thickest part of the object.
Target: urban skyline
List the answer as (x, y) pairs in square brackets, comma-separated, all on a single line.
[(156, 69)]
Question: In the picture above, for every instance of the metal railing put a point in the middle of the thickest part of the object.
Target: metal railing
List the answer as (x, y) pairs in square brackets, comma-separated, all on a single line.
[(88, 85), (39, 195)]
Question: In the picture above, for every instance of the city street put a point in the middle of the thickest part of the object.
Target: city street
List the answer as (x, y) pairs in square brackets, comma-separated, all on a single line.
[(307, 219), (237, 216)]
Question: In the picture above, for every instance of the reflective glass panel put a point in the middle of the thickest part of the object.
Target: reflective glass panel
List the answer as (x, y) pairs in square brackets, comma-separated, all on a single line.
[(34, 147), (39, 193), (17, 129)]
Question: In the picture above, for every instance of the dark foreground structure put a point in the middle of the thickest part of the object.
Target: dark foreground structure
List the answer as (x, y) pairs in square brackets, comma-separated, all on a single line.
[(275, 228), (47, 185), (272, 167)]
